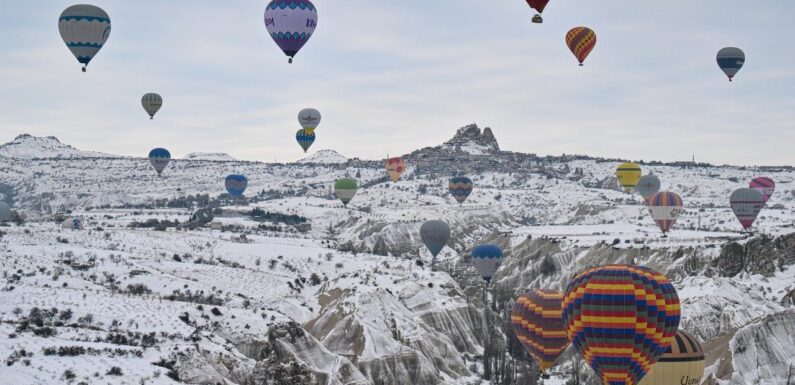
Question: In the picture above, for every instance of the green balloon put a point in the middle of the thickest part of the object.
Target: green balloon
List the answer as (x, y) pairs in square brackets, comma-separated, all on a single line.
[(345, 189)]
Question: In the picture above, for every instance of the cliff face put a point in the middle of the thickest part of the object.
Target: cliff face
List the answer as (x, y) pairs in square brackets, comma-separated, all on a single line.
[(470, 139)]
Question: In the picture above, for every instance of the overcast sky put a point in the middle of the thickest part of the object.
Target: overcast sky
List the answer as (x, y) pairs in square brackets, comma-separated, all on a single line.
[(393, 76)]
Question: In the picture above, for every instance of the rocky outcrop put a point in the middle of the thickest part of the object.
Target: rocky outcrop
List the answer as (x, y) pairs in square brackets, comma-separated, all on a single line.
[(763, 351), (761, 254), (470, 139)]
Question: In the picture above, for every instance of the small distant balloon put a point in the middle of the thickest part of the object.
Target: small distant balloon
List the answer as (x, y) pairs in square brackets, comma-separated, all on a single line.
[(309, 118), (730, 60), (539, 6), (159, 158), (460, 187), (746, 203), (628, 175), (345, 189), (235, 184), (647, 186), (305, 138), (73, 223), (435, 234), (395, 168), (85, 29), (764, 185), (290, 23), (487, 259), (665, 208), (152, 103), (581, 41)]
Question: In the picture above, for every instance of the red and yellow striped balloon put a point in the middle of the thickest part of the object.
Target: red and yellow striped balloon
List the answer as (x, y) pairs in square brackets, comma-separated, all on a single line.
[(621, 319), (581, 41), (538, 324)]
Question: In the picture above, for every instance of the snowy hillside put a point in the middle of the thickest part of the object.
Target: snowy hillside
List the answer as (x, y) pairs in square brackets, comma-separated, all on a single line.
[(324, 157), (210, 156), (32, 147), (174, 282)]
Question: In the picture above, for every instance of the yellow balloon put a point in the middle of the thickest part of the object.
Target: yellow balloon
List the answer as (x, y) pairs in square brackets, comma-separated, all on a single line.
[(681, 364), (628, 175)]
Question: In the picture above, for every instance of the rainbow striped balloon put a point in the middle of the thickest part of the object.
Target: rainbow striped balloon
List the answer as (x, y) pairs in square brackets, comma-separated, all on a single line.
[(538, 324), (621, 319), (460, 187)]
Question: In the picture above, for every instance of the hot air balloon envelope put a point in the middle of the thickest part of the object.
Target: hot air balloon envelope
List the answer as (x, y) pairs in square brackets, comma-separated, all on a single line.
[(309, 118), (159, 158), (152, 103), (487, 259), (345, 189), (395, 168), (730, 60), (665, 208), (290, 23), (581, 41), (746, 204), (621, 319), (539, 6), (85, 29), (537, 320), (305, 138), (647, 186), (460, 187), (764, 185), (682, 363), (434, 235), (628, 175), (72, 223), (236, 184)]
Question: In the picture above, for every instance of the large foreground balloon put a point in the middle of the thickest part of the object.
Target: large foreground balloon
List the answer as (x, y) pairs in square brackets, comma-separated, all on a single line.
[(746, 204), (581, 41), (682, 363), (487, 259), (647, 186), (730, 60), (309, 118), (85, 29), (621, 319), (460, 187), (665, 208), (152, 103), (434, 235), (290, 23), (159, 158), (72, 223), (345, 189), (235, 184), (395, 168), (764, 185), (539, 6), (5, 212), (628, 175), (537, 320), (305, 138)]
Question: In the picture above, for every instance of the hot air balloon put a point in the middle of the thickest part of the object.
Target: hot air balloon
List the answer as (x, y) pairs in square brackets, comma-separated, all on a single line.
[(539, 6), (435, 234), (345, 189), (309, 118), (235, 184), (581, 41), (305, 138), (290, 23), (487, 259), (395, 168), (764, 185), (159, 158), (460, 187), (730, 60), (537, 320), (665, 208), (682, 363), (621, 319), (647, 186), (152, 103), (746, 204), (628, 175), (72, 223), (5, 212), (85, 29)]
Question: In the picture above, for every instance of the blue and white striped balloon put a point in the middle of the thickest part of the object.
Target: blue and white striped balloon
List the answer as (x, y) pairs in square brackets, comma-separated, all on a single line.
[(487, 259), (159, 158), (730, 60), (85, 29)]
